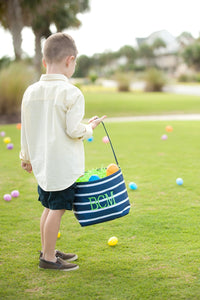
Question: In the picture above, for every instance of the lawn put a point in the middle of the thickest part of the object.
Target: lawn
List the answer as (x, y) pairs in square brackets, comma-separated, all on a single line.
[(157, 256), (138, 103)]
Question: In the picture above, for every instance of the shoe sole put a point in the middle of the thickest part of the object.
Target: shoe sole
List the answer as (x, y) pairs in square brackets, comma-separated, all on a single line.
[(73, 258), (65, 270)]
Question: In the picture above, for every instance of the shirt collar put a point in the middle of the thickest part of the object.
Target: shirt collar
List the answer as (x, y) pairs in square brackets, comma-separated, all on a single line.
[(53, 77)]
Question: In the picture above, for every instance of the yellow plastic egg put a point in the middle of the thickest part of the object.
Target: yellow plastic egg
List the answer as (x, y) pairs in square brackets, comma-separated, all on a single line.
[(7, 140), (113, 241)]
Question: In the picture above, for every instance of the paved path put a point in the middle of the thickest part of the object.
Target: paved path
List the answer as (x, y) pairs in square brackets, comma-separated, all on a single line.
[(183, 117), (183, 89)]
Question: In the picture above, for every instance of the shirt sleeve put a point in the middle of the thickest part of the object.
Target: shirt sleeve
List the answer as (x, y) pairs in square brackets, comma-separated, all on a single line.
[(74, 117), (24, 154)]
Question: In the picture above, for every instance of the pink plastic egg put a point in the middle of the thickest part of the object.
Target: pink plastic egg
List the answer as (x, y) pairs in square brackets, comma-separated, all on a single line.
[(15, 194), (105, 140), (7, 197)]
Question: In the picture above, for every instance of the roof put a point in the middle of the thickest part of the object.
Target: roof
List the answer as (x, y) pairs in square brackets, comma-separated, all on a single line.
[(172, 45)]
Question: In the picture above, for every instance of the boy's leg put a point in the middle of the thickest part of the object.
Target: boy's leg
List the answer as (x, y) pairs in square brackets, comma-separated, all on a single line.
[(42, 223), (50, 227)]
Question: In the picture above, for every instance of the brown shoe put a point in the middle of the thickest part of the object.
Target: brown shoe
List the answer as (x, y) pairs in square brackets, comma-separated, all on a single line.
[(58, 265), (64, 256)]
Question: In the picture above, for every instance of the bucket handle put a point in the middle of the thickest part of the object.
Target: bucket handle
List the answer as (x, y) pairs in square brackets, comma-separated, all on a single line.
[(110, 142)]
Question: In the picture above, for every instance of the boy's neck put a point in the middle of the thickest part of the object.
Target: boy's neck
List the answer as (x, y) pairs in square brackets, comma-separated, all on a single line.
[(54, 70), (65, 67)]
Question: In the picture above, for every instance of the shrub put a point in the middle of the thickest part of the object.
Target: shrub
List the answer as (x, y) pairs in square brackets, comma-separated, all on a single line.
[(13, 82), (93, 77), (155, 80), (123, 82), (184, 78), (189, 77), (4, 62), (197, 77)]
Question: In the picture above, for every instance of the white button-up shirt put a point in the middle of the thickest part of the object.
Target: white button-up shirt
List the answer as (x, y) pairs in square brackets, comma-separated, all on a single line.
[(52, 133)]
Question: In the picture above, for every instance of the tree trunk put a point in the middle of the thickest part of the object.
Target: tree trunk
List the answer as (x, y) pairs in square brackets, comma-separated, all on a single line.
[(15, 26), (38, 52)]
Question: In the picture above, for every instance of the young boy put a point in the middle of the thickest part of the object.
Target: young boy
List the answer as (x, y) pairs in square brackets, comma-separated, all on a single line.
[(52, 142)]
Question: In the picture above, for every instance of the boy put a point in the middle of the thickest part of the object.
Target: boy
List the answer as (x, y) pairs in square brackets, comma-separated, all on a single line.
[(52, 142)]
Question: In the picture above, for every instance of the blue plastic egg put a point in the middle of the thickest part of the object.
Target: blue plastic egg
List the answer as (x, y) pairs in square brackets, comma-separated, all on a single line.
[(179, 181), (133, 186), (94, 177), (90, 139)]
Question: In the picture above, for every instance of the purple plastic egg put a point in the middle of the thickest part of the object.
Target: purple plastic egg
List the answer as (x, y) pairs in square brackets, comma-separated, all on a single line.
[(3, 133), (15, 194), (10, 146), (7, 197)]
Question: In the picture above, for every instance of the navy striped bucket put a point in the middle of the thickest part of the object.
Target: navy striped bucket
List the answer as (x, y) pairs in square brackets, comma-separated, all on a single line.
[(101, 200)]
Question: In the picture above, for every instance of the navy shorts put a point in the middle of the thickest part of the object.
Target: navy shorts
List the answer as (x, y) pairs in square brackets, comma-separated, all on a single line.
[(57, 199)]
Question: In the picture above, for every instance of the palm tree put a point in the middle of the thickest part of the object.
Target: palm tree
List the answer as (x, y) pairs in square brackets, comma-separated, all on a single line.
[(11, 19), (39, 15)]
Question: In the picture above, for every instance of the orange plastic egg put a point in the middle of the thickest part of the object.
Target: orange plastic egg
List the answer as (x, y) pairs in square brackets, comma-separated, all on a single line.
[(19, 125), (169, 128), (112, 168)]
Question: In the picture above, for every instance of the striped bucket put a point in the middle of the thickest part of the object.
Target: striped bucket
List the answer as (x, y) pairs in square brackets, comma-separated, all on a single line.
[(101, 200)]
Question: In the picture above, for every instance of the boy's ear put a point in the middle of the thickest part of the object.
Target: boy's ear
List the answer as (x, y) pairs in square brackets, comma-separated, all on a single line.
[(44, 63), (69, 59)]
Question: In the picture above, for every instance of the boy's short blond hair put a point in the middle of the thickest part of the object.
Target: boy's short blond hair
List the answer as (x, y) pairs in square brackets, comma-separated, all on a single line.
[(58, 46)]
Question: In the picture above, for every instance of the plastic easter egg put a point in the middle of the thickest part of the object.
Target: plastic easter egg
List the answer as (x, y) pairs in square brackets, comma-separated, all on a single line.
[(19, 126), (169, 128), (58, 236), (2, 133), (105, 140), (112, 168), (133, 186), (113, 241), (90, 139), (179, 181), (164, 137), (15, 194), (7, 197), (94, 177), (10, 146), (7, 140)]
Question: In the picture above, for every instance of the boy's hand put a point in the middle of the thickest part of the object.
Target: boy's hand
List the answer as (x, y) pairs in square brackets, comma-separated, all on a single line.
[(27, 167), (95, 121)]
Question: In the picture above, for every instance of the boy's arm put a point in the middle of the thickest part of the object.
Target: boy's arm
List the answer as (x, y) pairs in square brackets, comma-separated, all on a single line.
[(24, 156), (95, 121), (26, 166), (74, 117)]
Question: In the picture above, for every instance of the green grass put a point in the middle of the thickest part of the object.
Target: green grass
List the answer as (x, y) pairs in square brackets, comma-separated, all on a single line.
[(157, 256), (100, 172), (137, 103)]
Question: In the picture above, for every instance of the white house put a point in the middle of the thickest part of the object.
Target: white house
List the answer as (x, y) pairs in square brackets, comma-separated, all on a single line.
[(166, 58)]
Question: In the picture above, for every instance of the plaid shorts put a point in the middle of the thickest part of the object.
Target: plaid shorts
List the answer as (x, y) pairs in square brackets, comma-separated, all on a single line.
[(57, 199)]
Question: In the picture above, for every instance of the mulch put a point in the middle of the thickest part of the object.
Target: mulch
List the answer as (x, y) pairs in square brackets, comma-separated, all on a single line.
[(10, 119)]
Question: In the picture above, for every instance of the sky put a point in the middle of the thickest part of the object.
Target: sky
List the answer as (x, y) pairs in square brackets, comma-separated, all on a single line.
[(111, 24)]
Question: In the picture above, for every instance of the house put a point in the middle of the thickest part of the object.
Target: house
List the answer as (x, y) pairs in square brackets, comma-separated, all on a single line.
[(165, 58)]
